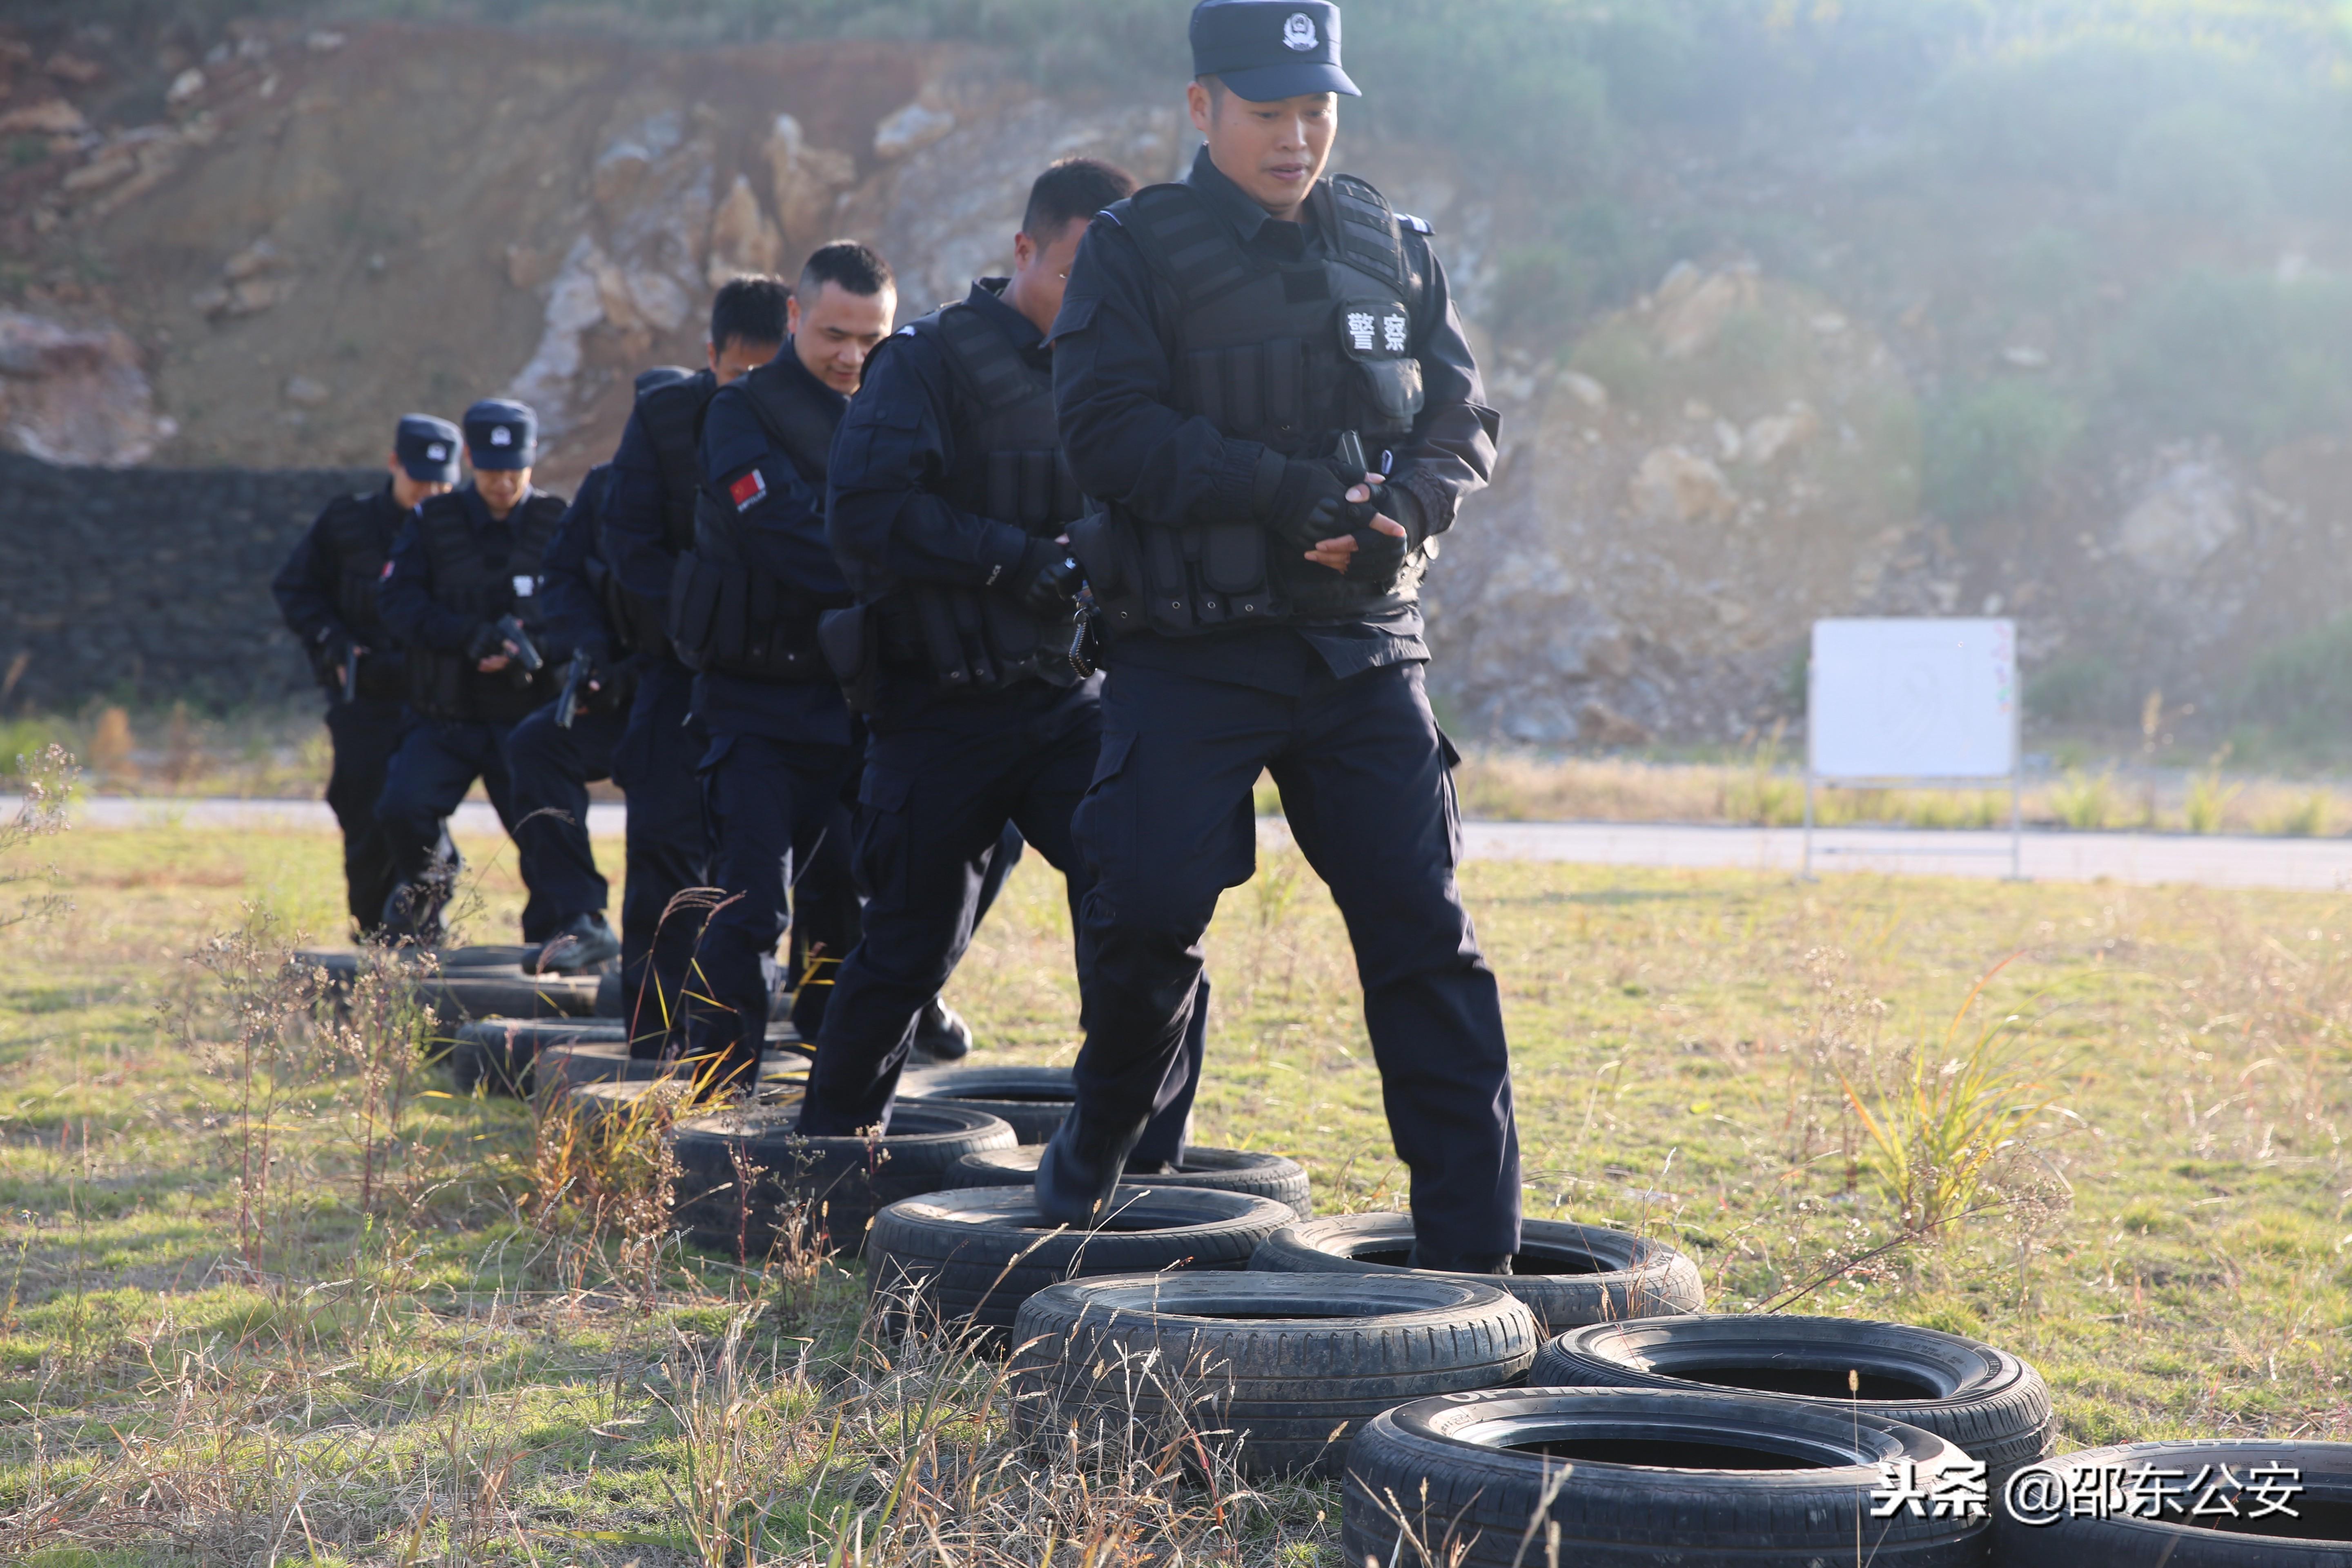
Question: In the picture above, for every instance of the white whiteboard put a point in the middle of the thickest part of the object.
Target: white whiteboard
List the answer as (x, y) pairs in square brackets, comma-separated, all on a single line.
[(1913, 699)]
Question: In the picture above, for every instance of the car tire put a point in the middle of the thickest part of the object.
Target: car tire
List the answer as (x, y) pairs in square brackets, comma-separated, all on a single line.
[(1219, 1169), (811, 1191), (1032, 1100), (2319, 1535), (1568, 1275), (496, 1055), (968, 1260), (1995, 1407), (1271, 1372), (1614, 1477)]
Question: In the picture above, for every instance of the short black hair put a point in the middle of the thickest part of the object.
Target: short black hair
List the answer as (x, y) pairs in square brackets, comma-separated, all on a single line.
[(1070, 191), (749, 310), (856, 268)]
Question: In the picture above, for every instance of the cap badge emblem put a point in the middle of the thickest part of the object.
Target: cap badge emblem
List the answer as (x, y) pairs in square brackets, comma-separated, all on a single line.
[(1298, 33), (502, 436), (437, 453)]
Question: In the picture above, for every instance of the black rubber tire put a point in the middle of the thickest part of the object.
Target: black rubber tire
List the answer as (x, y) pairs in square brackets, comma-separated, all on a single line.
[(611, 1101), (813, 1189), (1273, 1372), (1596, 1275), (462, 995), (515, 959), (968, 1258), (496, 1054), (1032, 1100), (1995, 1407), (1219, 1169), (2321, 1533), (563, 1067), (1459, 1472)]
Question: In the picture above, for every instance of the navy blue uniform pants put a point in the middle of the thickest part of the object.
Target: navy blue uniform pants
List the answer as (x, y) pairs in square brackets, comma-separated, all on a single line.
[(769, 802), (551, 767), (938, 793), (438, 762), (1364, 773), (363, 733), (669, 844)]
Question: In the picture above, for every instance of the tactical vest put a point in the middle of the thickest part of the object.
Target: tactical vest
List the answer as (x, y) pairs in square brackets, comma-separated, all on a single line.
[(672, 416), (724, 615), (1008, 468), (442, 683), (358, 530), (1286, 354)]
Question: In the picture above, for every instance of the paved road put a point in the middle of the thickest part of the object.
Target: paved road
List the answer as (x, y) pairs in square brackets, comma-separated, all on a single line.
[(2147, 859)]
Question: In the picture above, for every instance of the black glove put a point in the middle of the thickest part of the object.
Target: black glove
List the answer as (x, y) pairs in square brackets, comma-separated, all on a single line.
[(1310, 504), (488, 643), (1047, 581), (1379, 560)]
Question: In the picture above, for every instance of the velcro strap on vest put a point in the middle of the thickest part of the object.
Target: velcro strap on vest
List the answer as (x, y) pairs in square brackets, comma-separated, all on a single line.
[(991, 369), (1367, 228)]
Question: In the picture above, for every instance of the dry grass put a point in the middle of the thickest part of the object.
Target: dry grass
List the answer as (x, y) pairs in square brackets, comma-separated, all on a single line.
[(275, 1296)]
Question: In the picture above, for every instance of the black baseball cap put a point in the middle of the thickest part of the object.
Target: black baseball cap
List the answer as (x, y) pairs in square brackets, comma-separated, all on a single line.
[(427, 449), (1268, 50)]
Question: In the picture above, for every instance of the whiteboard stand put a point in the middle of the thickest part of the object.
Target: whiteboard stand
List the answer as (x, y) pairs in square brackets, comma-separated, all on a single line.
[(1908, 704)]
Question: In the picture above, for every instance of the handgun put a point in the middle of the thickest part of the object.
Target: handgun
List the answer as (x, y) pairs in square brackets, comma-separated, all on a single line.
[(575, 691), (350, 672), (526, 652), (1349, 452)]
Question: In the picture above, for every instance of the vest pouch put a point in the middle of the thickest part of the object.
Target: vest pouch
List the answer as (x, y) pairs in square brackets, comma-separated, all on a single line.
[(943, 645), (1392, 393), (1233, 558), (1166, 584), (851, 640), (694, 591), (1107, 545)]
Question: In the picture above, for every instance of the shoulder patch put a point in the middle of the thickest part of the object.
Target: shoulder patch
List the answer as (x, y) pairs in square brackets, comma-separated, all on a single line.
[(1414, 225), (1113, 216), (748, 491)]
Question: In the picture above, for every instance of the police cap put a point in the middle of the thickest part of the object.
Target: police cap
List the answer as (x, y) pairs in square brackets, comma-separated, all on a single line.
[(501, 434), (427, 448), (1268, 50)]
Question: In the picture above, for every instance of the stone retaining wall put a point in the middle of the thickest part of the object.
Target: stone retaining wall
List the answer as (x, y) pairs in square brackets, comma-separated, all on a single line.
[(151, 584)]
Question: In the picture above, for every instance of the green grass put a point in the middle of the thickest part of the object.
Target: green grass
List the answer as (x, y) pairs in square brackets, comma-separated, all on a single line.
[(463, 1371)]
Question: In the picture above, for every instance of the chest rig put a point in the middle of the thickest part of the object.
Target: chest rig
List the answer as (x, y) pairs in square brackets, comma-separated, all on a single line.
[(1008, 468), (726, 615), (358, 531), (672, 416), (482, 585), (1285, 353)]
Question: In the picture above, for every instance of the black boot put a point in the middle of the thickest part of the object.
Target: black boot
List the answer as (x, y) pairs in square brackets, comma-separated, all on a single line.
[(1424, 1256), (586, 942), (1079, 1172), (940, 1036)]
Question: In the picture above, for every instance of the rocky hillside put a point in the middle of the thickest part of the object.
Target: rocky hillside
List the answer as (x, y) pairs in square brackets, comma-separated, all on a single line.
[(1747, 378)]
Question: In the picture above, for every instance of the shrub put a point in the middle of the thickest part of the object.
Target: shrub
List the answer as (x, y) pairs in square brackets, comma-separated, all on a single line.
[(2302, 686), (2080, 689), (1991, 447), (2247, 358)]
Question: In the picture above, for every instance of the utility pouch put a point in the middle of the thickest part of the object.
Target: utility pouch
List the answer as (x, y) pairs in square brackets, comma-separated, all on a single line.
[(850, 639)]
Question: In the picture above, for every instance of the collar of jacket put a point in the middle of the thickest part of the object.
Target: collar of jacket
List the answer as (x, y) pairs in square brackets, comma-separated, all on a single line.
[(987, 297), (1251, 221)]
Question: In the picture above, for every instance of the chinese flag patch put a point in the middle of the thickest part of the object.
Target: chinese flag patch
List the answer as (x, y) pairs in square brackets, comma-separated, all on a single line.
[(384, 575), (748, 491)]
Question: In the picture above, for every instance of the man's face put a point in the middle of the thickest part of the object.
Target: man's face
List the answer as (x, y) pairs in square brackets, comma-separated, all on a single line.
[(1043, 273), (413, 493), (739, 356), (1276, 151), (834, 333), (502, 487)]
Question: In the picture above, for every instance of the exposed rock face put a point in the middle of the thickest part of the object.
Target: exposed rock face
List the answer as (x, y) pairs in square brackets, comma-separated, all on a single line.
[(2189, 513), (1672, 511), (72, 394)]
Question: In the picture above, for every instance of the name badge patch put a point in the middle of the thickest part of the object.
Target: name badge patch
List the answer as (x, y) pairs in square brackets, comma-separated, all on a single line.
[(748, 491)]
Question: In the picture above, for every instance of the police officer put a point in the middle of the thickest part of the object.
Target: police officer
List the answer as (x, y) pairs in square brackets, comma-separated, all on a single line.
[(462, 595), (557, 751), (744, 608), (648, 523), (327, 593), (948, 501), (1224, 341)]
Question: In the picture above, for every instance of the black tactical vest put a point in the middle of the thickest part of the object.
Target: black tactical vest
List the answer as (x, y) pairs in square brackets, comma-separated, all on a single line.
[(358, 530), (1286, 354), (672, 416), (726, 615), (443, 683), (1008, 468)]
